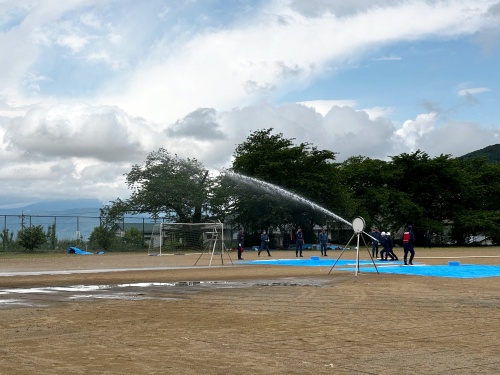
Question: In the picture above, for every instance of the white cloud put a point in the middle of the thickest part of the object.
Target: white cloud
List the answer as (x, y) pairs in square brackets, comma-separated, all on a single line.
[(387, 58), (413, 130), (324, 106), (378, 112), (472, 91), (73, 42), (260, 58), (453, 137), (104, 133), (198, 92)]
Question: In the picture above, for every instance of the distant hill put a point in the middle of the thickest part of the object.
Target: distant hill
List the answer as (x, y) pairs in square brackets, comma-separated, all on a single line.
[(71, 216), (75, 207), (491, 153)]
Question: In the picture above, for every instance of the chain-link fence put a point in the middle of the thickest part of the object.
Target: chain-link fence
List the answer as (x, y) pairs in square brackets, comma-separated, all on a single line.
[(64, 231)]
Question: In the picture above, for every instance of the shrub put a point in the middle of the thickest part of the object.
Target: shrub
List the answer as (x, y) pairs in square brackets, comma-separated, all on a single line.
[(31, 237)]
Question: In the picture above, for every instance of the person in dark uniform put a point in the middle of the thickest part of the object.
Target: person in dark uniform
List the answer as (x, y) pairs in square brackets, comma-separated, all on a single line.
[(264, 243), (375, 234), (408, 241), (390, 247), (383, 242), (241, 242), (299, 241), (427, 239), (323, 240)]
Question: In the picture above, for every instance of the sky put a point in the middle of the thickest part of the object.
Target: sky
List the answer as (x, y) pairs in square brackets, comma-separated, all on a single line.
[(89, 88)]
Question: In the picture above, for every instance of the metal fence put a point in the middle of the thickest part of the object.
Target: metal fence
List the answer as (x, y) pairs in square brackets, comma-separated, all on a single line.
[(66, 228), (74, 230)]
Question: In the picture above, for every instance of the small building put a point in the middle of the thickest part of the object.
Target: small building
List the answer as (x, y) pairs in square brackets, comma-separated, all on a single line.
[(145, 228), (480, 239)]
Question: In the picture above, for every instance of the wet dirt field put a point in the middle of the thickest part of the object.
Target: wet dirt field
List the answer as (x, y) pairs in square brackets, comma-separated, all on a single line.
[(137, 314)]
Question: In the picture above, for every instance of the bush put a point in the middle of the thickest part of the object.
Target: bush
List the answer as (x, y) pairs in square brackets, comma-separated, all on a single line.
[(102, 238), (31, 237), (7, 238), (133, 239)]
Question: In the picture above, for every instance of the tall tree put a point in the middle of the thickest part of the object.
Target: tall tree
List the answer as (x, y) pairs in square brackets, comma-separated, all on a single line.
[(437, 188), (166, 184), (299, 168), (374, 192), (479, 212)]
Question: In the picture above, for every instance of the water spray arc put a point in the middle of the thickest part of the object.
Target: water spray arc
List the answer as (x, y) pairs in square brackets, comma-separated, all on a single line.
[(283, 192), (358, 224)]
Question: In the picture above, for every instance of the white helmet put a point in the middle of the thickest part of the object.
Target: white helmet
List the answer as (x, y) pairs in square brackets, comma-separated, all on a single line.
[(382, 234), (388, 234)]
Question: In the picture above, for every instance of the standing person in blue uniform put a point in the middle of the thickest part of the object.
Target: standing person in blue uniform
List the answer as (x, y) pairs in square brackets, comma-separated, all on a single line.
[(299, 241), (408, 241), (323, 240), (264, 242), (427, 239), (241, 242), (375, 234)]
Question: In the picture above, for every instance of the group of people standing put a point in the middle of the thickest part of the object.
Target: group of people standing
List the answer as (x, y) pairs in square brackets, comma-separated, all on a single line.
[(264, 243), (383, 239), (387, 242)]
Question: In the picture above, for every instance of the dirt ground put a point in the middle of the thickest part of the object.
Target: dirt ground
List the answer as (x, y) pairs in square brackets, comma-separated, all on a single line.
[(139, 314)]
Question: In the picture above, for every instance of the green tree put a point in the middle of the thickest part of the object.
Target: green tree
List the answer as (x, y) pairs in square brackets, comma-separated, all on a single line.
[(51, 236), (479, 211), (166, 184), (374, 193), (113, 213), (102, 237), (31, 237), (301, 169), (430, 193), (134, 237), (7, 238), (438, 189)]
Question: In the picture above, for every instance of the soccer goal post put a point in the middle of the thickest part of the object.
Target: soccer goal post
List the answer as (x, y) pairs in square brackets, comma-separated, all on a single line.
[(167, 238)]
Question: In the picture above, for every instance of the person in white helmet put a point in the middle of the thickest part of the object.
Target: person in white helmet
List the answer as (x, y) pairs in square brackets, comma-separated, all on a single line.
[(382, 243), (390, 247)]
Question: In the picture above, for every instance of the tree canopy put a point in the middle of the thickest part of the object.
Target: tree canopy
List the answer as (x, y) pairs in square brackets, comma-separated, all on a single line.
[(451, 197), (300, 168), (166, 185)]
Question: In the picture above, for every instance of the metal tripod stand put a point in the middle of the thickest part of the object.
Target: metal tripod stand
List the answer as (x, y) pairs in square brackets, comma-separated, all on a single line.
[(358, 225)]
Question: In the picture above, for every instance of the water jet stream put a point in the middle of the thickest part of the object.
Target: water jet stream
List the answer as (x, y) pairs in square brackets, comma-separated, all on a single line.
[(283, 192)]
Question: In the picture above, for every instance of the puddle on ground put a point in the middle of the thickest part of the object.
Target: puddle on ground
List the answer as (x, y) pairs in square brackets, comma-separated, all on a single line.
[(44, 296)]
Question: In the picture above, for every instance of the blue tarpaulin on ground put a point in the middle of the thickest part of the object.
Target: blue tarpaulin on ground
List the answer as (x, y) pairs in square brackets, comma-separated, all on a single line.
[(466, 271), (452, 270), (76, 250)]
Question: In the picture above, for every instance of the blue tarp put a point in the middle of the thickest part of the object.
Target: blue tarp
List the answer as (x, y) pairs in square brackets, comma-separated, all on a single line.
[(76, 250), (465, 271), (452, 270)]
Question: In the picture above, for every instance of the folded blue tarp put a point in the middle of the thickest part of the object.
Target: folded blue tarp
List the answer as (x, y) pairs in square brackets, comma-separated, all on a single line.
[(76, 250)]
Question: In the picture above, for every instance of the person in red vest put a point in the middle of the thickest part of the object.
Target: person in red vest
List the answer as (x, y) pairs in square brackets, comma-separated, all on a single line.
[(408, 241)]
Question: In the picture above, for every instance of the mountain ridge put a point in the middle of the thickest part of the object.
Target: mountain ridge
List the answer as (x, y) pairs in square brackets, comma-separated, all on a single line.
[(491, 153)]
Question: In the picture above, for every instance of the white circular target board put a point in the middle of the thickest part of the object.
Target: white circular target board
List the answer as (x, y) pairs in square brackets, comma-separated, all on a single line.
[(358, 224)]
